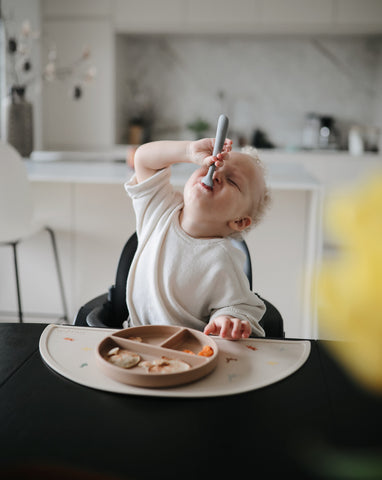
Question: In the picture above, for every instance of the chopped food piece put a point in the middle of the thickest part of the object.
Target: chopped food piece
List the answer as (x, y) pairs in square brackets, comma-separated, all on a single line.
[(251, 347), (207, 351), (124, 358), (188, 351), (135, 339), (165, 365), (113, 351)]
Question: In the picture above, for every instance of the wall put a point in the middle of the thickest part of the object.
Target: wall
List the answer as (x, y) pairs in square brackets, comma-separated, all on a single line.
[(261, 82), (378, 86), (86, 123)]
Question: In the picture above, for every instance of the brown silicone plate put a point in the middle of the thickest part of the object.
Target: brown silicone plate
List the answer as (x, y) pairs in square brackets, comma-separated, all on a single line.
[(158, 341)]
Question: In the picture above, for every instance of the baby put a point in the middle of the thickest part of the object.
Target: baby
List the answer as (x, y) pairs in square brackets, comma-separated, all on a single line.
[(186, 270)]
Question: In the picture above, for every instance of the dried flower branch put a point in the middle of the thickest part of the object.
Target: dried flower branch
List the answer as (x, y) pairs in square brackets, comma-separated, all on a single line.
[(21, 72), (79, 72)]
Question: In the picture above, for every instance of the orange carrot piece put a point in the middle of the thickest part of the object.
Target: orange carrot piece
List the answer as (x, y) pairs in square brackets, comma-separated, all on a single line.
[(207, 351)]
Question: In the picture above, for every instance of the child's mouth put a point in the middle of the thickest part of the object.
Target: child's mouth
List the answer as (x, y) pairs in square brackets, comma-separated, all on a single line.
[(206, 186)]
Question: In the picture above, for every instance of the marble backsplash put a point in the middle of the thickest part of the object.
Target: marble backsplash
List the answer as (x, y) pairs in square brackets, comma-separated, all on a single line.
[(269, 83)]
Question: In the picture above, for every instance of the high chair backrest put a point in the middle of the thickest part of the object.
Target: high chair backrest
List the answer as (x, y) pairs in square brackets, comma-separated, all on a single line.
[(16, 205)]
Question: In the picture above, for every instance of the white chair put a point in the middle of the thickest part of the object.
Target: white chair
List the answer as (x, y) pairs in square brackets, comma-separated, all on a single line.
[(16, 215)]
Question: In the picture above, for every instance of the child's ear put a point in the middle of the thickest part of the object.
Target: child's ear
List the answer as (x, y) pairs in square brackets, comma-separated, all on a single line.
[(240, 224)]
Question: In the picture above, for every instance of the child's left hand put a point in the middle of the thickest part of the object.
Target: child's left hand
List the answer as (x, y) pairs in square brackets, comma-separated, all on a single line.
[(228, 327), (200, 152)]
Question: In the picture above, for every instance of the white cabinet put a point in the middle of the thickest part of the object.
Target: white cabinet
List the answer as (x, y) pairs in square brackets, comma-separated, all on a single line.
[(248, 16), (103, 220), (76, 8), (142, 16), (297, 14), (284, 251), (363, 16), (221, 16)]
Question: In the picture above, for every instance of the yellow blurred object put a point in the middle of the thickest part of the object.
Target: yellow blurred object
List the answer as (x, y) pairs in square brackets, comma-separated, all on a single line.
[(350, 287)]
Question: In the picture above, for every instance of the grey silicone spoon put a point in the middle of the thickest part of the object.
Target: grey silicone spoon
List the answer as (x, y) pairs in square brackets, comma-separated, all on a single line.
[(221, 133)]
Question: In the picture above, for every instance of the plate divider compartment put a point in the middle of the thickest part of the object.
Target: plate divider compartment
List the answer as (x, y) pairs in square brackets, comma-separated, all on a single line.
[(154, 350), (175, 338)]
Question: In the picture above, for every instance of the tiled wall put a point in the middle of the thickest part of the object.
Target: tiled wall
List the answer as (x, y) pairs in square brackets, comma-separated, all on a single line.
[(260, 82)]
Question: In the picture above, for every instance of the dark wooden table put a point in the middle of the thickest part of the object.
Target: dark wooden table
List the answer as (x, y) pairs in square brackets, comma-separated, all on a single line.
[(310, 424)]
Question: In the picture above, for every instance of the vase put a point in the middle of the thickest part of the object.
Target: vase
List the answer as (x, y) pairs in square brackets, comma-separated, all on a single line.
[(19, 122)]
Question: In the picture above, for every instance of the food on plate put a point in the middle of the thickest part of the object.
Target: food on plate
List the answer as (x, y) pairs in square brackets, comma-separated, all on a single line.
[(206, 351), (135, 339), (123, 358), (113, 351), (165, 365)]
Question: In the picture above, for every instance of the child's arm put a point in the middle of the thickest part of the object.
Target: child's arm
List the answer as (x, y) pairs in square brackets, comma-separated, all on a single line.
[(151, 157)]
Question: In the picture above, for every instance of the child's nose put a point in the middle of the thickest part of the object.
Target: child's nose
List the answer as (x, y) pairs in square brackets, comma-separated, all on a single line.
[(216, 177)]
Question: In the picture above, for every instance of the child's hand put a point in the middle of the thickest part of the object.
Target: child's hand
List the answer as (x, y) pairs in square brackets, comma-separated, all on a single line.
[(200, 152), (228, 327)]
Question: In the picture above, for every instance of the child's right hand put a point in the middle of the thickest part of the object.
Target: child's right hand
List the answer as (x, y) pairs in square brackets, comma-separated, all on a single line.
[(228, 327), (200, 152)]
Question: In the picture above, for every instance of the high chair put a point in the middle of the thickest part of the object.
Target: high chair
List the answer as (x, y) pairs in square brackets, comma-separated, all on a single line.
[(110, 309)]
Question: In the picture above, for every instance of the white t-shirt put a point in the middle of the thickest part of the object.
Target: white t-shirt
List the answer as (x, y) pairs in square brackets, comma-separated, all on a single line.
[(176, 279)]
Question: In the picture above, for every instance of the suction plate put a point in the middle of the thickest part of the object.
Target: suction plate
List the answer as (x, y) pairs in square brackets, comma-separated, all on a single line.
[(152, 343)]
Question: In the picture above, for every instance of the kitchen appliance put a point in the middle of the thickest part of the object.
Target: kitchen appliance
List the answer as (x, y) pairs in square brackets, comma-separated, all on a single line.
[(327, 135), (319, 132)]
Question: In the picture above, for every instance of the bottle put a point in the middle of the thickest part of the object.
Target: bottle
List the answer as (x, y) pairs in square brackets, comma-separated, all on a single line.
[(355, 141), (311, 131)]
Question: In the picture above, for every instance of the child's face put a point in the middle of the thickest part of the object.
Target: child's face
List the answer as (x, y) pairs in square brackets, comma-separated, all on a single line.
[(238, 187)]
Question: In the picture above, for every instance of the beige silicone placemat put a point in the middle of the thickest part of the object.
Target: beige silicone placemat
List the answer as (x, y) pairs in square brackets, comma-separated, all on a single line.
[(242, 365)]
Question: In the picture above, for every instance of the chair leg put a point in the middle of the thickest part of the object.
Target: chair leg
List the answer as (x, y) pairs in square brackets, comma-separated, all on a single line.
[(59, 273), (14, 246)]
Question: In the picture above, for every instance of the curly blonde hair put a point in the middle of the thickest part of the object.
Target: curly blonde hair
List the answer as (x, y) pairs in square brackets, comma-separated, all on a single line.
[(258, 209)]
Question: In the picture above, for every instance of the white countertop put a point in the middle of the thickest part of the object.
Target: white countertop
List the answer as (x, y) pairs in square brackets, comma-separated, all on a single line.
[(280, 176), (78, 171)]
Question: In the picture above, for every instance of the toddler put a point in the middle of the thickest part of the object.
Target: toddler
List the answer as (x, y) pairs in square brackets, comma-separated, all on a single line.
[(186, 270)]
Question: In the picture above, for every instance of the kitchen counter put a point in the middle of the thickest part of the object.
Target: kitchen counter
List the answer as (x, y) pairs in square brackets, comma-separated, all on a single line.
[(280, 176), (294, 170), (333, 169), (78, 171)]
